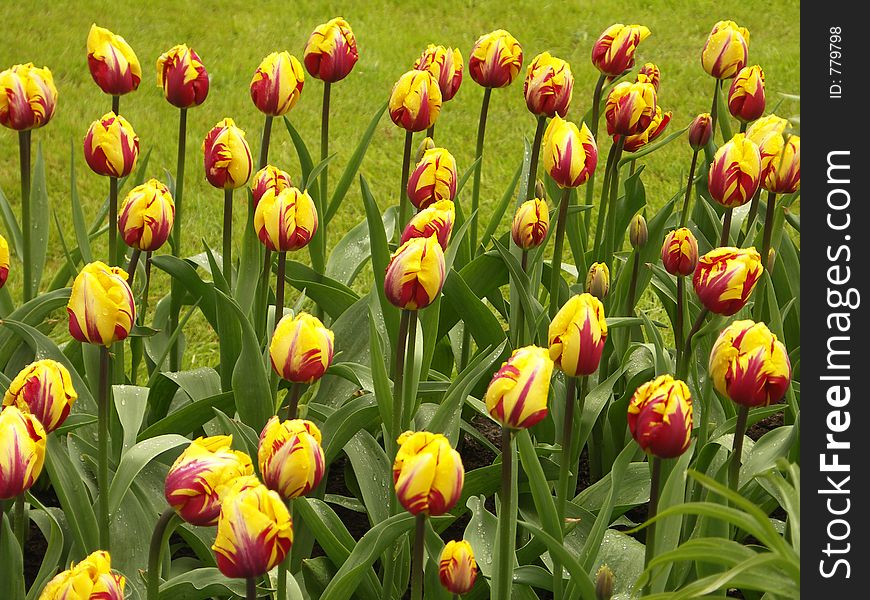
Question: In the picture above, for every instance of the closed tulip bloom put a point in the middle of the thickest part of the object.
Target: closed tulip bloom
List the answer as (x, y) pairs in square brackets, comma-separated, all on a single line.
[(182, 76), (784, 173), (598, 280), (548, 86), (415, 101), (613, 51), (660, 417), (725, 278), (301, 348), (570, 153), (700, 131), (726, 50), (495, 60), (254, 533), (457, 568), (277, 84), (436, 219), (90, 579), (680, 252), (290, 457), (517, 394), (285, 222), (650, 73), (656, 127), (749, 365), (433, 179), (100, 308), (228, 161), (146, 216), (330, 52), (4, 261), (638, 232), (201, 475), (22, 451), (735, 172), (768, 133), (112, 62), (746, 97), (445, 65), (531, 224), (111, 146), (268, 179), (415, 274), (630, 108), (28, 97), (44, 389), (427, 474), (577, 334)]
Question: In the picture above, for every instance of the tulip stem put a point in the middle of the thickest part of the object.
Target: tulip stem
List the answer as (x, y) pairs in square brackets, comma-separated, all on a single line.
[(602, 207), (632, 286), (24, 161), (147, 287), (251, 588), (293, 400), (750, 218), (228, 238), (533, 159), (726, 227), (20, 520), (177, 290), (264, 142), (556, 267), (478, 155), (131, 267), (503, 574), (404, 209), (768, 229), (409, 399), (737, 448), (116, 105), (113, 221), (103, 448), (398, 376), (593, 128), (565, 464), (417, 562), (654, 486), (430, 133), (324, 146), (279, 289), (714, 110), (680, 317), (519, 340), (684, 216), (162, 530), (683, 368), (610, 230)]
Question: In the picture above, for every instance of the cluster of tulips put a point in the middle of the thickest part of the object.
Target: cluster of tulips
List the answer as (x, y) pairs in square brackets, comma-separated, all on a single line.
[(212, 483)]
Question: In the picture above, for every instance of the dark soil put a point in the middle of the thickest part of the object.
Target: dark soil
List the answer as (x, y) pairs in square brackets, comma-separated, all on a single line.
[(767, 424)]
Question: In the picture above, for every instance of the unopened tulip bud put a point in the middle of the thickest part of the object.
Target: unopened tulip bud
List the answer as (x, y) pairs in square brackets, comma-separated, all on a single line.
[(433, 179), (771, 259), (613, 51), (22, 451), (445, 65), (570, 153), (111, 146), (630, 108), (415, 274), (302, 348), (290, 457), (427, 474), (638, 233), (90, 579), (746, 96), (598, 280), (182, 76), (100, 308), (548, 86), (725, 277), (330, 52), (436, 219), (426, 145), (457, 568), (726, 50), (784, 172), (735, 172), (539, 189), (228, 161), (146, 216), (269, 179), (660, 417), (517, 394), (680, 252), (531, 224), (28, 97), (287, 221), (112, 62), (650, 73), (44, 389), (495, 59), (604, 583), (277, 84), (577, 335), (4, 261), (700, 131)]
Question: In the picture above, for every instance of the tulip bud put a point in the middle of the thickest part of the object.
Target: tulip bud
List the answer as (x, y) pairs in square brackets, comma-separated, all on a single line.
[(100, 307), (111, 146), (768, 134), (445, 65), (548, 86), (426, 145), (301, 349), (434, 178), (749, 365), (4, 261), (735, 172), (269, 178), (638, 232), (457, 568), (660, 417), (726, 50), (22, 451), (613, 51), (700, 131), (146, 216), (746, 96), (44, 389), (577, 334), (531, 223), (415, 274), (680, 252), (784, 173), (90, 579), (112, 62), (630, 108), (570, 154), (254, 532), (495, 60), (771, 258), (201, 476), (427, 473), (285, 222), (725, 277), (641, 140), (649, 73), (539, 189), (27, 97), (228, 161), (290, 457), (517, 394), (604, 583), (277, 84), (437, 219), (330, 52), (598, 280), (415, 101), (182, 76)]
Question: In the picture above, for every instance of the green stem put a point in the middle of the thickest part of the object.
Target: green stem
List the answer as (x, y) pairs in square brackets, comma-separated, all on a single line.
[(714, 109), (726, 227), (632, 287), (533, 159), (283, 566), (177, 290), (417, 562), (324, 146), (162, 530), (683, 367), (737, 448), (293, 400), (405, 202), (478, 155), (147, 287), (131, 267), (609, 240), (602, 207), (104, 399), (24, 138), (556, 267), (593, 127), (228, 238), (519, 340), (750, 218), (398, 376), (279, 289), (251, 588), (430, 133), (653, 508), (116, 105), (565, 464), (264, 142), (503, 575), (684, 216), (408, 395), (113, 221), (768, 229), (576, 449), (678, 324), (20, 520)]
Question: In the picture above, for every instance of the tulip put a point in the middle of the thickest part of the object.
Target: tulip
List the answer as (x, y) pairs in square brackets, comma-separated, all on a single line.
[(4, 261), (427, 473), (90, 579), (638, 232), (290, 457), (656, 127), (22, 451), (725, 277), (570, 154), (598, 280), (457, 568), (746, 97), (660, 417), (111, 146), (301, 349), (680, 252), (548, 86), (434, 178), (531, 224), (630, 108), (735, 172), (445, 65), (415, 101), (415, 274), (28, 97), (44, 389), (269, 179), (768, 134), (330, 52), (201, 476), (112, 62), (783, 175), (700, 131), (604, 583), (100, 308), (650, 73), (495, 60), (517, 394), (436, 220), (254, 534), (182, 76), (613, 51), (228, 161), (146, 216), (287, 221), (577, 334), (726, 50), (277, 84)]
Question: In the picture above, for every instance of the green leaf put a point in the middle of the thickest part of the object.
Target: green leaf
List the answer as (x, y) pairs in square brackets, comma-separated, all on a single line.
[(78, 216), (135, 460), (667, 532), (539, 485), (11, 563), (185, 273), (380, 252), (501, 207), (383, 387), (190, 417), (305, 162), (484, 326), (72, 493), (332, 296), (32, 314), (202, 583), (353, 251), (345, 422), (250, 261), (372, 470), (245, 439), (13, 231), (39, 215), (130, 403), (577, 572), (52, 532)]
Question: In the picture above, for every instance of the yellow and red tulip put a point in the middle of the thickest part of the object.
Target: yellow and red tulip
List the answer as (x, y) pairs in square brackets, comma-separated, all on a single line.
[(146, 216), (548, 86), (660, 417), (700, 131), (768, 133), (228, 161), (436, 219), (598, 280), (531, 224), (570, 153), (330, 52), (28, 97), (613, 51), (111, 146), (277, 84), (290, 457), (427, 473), (433, 179), (445, 65), (100, 308), (301, 348), (90, 579), (286, 221), (269, 179), (680, 252), (630, 108), (495, 60), (22, 451), (638, 231), (415, 101), (746, 97), (112, 62), (182, 76), (44, 389), (649, 73), (577, 334), (726, 50), (735, 172), (656, 127), (784, 172), (4, 261), (517, 394), (725, 278), (415, 274), (457, 568)]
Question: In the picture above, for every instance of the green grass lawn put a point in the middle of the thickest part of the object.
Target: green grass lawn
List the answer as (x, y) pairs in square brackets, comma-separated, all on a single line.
[(232, 38)]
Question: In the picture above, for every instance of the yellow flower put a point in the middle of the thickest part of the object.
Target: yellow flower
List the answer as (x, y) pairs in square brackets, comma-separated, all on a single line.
[(517, 394), (746, 97), (427, 473), (146, 216), (436, 219), (301, 348), (44, 389), (768, 134), (680, 252), (548, 86), (735, 172), (330, 52), (630, 108), (457, 568), (700, 131), (434, 178), (182, 76), (650, 73), (100, 307), (415, 274), (660, 417), (495, 59), (228, 162), (445, 65), (784, 173), (290, 457), (415, 101), (656, 127), (286, 221), (726, 50), (531, 224), (269, 178), (112, 62), (598, 280), (577, 334), (90, 579), (22, 451), (277, 84), (28, 97), (111, 146), (725, 278), (570, 154), (4, 261), (613, 51)]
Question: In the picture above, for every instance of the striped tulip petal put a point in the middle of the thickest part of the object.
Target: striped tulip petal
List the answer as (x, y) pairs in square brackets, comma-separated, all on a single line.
[(22, 451), (660, 417), (517, 394), (427, 473), (302, 348)]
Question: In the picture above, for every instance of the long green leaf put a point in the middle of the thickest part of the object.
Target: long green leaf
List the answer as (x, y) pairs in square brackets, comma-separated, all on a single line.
[(78, 217), (578, 573), (52, 532), (380, 258), (39, 213), (135, 460), (72, 495), (11, 563)]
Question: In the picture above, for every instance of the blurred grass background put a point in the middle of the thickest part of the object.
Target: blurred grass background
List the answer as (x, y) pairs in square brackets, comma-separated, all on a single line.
[(233, 37)]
